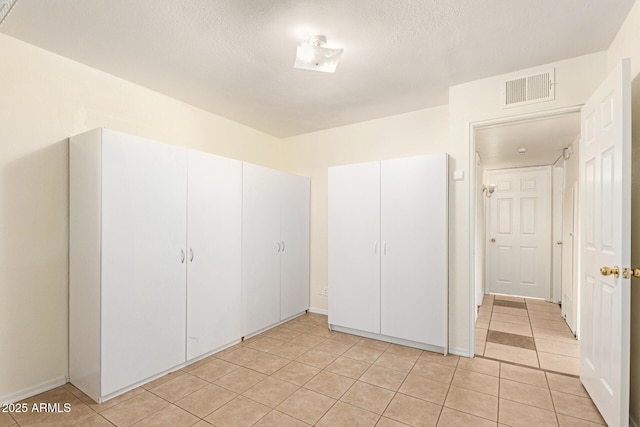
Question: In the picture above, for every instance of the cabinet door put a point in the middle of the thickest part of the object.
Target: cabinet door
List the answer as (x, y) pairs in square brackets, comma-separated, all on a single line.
[(354, 246), (294, 233), (214, 252), (261, 248), (414, 270), (143, 259)]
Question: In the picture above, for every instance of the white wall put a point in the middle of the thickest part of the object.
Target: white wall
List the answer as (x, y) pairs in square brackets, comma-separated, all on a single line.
[(45, 98), (627, 45), (411, 134), (476, 102)]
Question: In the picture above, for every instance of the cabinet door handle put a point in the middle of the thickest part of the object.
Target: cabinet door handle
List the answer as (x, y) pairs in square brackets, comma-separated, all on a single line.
[(278, 247), (375, 247), (385, 248), (191, 254), (283, 246), (181, 256)]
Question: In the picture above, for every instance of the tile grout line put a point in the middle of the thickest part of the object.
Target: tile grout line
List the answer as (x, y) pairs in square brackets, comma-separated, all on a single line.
[(499, 390), (532, 335), (553, 403)]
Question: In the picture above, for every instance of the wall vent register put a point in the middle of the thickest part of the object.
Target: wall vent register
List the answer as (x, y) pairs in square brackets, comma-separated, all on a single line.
[(528, 89)]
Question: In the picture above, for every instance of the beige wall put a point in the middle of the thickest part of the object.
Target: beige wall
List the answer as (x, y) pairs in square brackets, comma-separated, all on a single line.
[(425, 132), (44, 99), (477, 102), (627, 45), (411, 134)]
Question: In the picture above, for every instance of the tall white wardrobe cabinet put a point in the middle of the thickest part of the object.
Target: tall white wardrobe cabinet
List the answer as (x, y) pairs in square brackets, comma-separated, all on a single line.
[(388, 250), (155, 258), (275, 241)]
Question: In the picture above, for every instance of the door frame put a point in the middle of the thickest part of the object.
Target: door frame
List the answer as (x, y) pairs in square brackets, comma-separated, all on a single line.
[(473, 127)]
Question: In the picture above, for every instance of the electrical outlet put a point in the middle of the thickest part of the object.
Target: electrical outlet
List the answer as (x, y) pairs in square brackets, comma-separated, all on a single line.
[(325, 292)]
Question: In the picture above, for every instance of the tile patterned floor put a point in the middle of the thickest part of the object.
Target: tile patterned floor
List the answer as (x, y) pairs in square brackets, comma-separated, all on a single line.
[(528, 332), (301, 374)]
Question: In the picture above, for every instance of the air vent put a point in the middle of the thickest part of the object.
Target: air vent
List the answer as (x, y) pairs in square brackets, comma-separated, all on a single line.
[(528, 90), (5, 8)]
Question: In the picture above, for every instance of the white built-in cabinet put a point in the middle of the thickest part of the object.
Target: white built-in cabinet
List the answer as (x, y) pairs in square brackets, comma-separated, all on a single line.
[(128, 233), (156, 258), (275, 247), (388, 250), (214, 239)]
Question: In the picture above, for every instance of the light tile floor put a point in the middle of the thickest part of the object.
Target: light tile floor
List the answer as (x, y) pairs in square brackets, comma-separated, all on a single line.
[(300, 374), (528, 332)]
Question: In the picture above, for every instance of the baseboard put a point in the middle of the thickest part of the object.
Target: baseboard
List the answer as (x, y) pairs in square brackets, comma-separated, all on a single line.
[(32, 391), (319, 311), (459, 352), (386, 338)]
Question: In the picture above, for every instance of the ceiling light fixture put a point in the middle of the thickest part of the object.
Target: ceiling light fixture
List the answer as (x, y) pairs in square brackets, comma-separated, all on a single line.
[(313, 55), (522, 150)]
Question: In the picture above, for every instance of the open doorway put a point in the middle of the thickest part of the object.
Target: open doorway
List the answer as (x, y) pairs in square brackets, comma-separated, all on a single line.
[(526, 174)]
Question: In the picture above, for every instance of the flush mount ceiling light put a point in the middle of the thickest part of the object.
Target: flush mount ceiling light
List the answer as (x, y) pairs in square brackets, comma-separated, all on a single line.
[(522, 150), (313, 55)]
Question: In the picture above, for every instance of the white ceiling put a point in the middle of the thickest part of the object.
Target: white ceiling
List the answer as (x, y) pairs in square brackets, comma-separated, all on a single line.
[(235, 58), (543, 138)]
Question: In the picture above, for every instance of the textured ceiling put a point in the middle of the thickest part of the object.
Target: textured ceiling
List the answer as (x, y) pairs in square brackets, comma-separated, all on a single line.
[(235, 58)]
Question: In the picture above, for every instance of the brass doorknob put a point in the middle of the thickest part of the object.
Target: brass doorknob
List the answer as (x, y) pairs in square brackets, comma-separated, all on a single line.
[(493, 240), (631, 273), (608, 271)]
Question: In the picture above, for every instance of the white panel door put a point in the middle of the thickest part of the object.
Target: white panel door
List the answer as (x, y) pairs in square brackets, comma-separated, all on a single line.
[(144, 223), (605, 225), (214, 252), (414, 268), (354, 246), (519, 237), (261, 246), (569, 262), (294, 235), (556, 227)]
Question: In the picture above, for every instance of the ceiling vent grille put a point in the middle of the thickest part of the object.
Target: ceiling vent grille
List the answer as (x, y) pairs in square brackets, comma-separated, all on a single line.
[(5, 8), (528, 90)]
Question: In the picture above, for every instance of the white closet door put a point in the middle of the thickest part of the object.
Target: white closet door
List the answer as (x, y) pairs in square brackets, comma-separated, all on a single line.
[(354, 246), (214, 252), (143, 259), (294, 233), (261, 246), (414, 266)]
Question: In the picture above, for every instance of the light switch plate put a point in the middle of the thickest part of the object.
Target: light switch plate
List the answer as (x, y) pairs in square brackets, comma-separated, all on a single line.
[(458, 175)]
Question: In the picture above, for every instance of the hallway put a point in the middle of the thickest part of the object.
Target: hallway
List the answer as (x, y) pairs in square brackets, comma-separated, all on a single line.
[(528, 332)]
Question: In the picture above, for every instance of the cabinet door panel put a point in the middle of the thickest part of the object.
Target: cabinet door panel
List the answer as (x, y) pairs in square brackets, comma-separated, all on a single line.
[(260, 248), (414, 269), (354, 246), (294, 233), (143, 276), (214, 252)]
